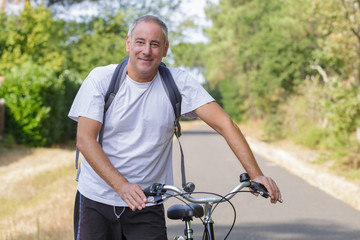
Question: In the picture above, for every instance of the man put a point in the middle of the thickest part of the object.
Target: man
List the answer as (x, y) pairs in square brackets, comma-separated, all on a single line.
[(137, 140)]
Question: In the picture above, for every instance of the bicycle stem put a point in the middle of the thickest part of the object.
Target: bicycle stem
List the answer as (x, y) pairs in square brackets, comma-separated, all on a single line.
[(208, 199)]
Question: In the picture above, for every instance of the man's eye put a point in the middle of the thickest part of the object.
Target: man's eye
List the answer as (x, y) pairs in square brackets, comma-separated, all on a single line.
[(139, 42)]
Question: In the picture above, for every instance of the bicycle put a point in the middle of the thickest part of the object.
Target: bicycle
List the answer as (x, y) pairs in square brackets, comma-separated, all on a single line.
[(157, 193)]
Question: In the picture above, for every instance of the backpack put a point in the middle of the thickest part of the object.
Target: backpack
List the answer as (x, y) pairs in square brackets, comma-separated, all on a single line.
[(172, 92)]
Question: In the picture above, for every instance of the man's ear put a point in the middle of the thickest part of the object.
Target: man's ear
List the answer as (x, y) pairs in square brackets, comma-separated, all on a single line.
[(127, 44), (166, 48)]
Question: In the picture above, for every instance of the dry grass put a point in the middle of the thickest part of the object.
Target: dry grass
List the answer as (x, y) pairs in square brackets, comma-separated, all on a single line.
[(37, 192)]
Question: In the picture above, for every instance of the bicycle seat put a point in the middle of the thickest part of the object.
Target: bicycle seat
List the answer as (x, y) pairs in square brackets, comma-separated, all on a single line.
[(179, 211)]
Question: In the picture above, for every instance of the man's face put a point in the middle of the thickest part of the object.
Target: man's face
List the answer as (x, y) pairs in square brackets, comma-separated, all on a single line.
[(146, 48)]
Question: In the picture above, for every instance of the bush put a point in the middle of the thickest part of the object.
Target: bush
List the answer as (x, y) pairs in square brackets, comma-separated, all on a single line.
[(274, 126), (231, 99), (310, 136), (37, 103)]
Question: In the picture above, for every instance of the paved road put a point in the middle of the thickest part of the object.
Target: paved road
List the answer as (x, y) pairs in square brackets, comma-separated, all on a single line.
[(307, 213)]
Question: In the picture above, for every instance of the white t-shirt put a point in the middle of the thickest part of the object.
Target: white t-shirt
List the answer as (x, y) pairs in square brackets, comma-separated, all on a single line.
[(138, 130)]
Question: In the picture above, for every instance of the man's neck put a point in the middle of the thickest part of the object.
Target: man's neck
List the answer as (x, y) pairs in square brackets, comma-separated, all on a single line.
[(138, 77)]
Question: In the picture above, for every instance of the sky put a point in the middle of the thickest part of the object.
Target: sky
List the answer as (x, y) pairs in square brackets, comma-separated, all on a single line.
[(196, 8), (190, 8)]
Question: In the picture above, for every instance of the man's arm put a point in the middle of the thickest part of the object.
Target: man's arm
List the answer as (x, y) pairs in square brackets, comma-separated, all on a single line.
[(220, 121), (87, 132)]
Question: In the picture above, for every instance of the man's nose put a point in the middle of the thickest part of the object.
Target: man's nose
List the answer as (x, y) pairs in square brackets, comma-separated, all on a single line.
[(147, 49)]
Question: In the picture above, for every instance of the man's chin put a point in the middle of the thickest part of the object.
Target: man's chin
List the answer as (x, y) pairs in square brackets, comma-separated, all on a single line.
[(148, 69), (148, 73)]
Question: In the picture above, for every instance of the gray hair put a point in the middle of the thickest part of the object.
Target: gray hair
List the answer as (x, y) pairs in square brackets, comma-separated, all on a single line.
[(149, 18)]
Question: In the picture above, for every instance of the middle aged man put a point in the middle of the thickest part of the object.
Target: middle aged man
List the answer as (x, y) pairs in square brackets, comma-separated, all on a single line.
[(137, 140)]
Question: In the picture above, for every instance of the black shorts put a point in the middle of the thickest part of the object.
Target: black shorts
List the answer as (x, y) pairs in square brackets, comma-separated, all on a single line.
[(97, 221)]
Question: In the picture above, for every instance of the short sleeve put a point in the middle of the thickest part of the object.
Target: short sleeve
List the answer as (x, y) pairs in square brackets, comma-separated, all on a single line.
[(89, 101), (192, 92)]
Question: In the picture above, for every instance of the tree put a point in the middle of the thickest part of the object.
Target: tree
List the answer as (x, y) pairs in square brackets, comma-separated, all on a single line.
[(31, 36), (338, 62), (352, 15), (97, 42), (262, 45)]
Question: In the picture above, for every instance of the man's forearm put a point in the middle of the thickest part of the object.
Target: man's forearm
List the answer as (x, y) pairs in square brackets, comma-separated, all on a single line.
[(220, 121), (241, 149), (100, 163), (131, 193)]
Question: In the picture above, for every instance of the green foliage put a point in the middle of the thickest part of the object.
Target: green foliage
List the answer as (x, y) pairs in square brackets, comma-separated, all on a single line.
[(42, 57), (96, 43), (31, 36), (215, 92), (274, 126), (36, 104), (310, 136), (231, 101), (295, 64), (337, 45), (188, 54), (343, 108), (325, 117), (265, 42)]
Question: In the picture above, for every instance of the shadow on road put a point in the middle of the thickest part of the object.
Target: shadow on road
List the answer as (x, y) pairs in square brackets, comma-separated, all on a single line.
[(305, 229)]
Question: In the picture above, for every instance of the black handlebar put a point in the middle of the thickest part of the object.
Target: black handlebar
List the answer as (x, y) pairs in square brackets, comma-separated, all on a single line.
[(261, 189), (255, 186), (157, 190)]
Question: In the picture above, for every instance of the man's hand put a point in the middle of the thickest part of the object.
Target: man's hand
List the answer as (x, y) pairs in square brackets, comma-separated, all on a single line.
[(133, 195), (275, 194)]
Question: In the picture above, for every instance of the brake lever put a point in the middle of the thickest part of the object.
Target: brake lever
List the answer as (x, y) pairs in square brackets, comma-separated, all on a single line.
[(156, 199), (259, 188), (155, 193), (156, 189)]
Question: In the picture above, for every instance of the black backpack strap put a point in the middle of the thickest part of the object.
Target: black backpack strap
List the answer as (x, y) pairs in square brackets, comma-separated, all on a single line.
[(174, 95), (175, 98), (116, 81)]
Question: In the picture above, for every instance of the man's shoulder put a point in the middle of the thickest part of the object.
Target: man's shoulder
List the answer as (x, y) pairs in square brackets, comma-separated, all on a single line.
[(103, 70), (101, 75), (183, 75), (177, 70), (178, 74)]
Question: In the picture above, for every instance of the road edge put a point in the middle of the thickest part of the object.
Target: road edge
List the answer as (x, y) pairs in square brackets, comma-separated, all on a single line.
[(335, 186)]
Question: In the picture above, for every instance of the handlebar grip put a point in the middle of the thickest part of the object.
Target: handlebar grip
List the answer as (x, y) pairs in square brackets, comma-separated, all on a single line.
[(155, 189), (261, 189), (147, 191)]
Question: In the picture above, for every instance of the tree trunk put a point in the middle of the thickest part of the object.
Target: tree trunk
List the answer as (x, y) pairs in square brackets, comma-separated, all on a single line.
[(2, 5)]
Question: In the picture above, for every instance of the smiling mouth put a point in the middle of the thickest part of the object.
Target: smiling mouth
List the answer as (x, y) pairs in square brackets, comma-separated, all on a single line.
[(145, 59)]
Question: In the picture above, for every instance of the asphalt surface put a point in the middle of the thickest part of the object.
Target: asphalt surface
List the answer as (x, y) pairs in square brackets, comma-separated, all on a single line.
[(307, 212)]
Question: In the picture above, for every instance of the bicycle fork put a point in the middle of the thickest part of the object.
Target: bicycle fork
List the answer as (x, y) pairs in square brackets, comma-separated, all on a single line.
[(208, 223)]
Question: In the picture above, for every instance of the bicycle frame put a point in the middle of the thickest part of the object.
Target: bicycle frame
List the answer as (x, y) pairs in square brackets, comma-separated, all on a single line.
[(208, 225)]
